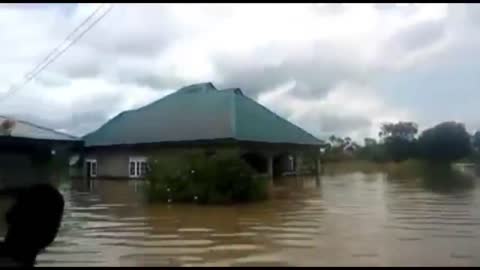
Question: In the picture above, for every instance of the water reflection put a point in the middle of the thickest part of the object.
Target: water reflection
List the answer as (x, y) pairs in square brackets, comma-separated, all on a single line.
[(379, 218), (447, 180), (431, 217)]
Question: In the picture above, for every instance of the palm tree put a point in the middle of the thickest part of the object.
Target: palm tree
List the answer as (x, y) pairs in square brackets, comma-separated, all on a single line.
[(332, 138)]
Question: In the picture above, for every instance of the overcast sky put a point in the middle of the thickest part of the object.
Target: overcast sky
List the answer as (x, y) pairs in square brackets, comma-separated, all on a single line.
[(329, 68)]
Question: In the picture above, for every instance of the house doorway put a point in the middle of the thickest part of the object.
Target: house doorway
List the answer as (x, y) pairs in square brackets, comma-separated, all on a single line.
[(257, 161), (284, 164), (91, 168)]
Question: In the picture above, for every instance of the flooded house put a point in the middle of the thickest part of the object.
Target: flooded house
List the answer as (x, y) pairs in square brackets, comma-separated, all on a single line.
[(31, 154), (204, 119)]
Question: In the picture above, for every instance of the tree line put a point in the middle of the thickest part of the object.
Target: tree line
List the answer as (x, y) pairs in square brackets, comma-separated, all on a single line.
[(445, 143)]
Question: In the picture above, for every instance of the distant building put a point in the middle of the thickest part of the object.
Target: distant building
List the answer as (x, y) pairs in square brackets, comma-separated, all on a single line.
[(350, 148), (198, 118), (27, 150)]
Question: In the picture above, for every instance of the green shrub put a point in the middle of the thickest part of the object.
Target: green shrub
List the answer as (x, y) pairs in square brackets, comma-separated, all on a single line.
[(207, 180)]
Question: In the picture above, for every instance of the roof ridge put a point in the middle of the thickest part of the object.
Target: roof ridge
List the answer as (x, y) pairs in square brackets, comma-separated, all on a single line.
[(40, 127), (197, 84), (196, 88), (153, 102)]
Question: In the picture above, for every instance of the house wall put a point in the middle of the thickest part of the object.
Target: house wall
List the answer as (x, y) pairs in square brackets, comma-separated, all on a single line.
[(113, 163), (22, 168), (15, 170)]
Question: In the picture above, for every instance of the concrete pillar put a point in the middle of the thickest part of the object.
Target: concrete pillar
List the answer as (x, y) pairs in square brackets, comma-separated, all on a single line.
[(83, 166), (298, 168), (317, 170), (298, 164), (270, 168)]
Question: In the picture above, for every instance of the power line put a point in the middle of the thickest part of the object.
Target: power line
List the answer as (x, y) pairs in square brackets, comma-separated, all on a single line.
[(73, 41), (65, 40), (31, 75)]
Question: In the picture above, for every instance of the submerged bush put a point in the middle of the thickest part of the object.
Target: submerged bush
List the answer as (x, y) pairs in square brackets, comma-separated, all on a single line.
[(208, 180)]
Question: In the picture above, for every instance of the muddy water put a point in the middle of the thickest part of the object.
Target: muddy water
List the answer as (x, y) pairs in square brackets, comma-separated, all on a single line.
[(351, 219)]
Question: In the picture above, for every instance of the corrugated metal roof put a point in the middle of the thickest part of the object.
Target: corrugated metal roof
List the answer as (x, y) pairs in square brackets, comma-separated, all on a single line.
[(199, 112), (23, 129)]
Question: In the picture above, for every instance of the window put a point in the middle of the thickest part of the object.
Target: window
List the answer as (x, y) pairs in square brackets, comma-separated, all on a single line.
[(94, 169), (143, 168), (132, 168), (91, 167), (137, 167)]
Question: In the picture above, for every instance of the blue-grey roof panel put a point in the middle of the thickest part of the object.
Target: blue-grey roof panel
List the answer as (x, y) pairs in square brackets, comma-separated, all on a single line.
[(23, 129), (199, 112)]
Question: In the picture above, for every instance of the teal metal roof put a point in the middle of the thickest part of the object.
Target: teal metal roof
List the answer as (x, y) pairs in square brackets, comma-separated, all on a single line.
[(23, 129), (199, 112)]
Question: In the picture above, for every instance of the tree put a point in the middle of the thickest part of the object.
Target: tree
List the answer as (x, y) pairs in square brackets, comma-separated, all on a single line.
[(332, 139), (400, 149), (399, 139), (370, 141), (339, 142), (372, 151), (445, 142), (338, 148), (404, 130), (476, 141)]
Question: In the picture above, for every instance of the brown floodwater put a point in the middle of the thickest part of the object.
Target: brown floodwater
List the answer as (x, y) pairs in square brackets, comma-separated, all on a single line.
[(351, 219)]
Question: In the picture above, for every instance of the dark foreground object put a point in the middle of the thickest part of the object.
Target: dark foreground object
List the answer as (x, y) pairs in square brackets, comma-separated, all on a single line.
[(32, 225)]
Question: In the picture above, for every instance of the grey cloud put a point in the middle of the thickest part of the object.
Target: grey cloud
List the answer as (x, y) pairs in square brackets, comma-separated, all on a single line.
[(82, 71), (78, 118), (143, 32), (81, 68), (396, 10), (250, 78), (50, 80), (141, 74), (76, 124), (86, 122), (317, 70), (81, 61), (464, 21), (128, 31), (325, 124), (159, 82), (329, 8), (134, 30), (472, 12), (419, 36), (385, 6)]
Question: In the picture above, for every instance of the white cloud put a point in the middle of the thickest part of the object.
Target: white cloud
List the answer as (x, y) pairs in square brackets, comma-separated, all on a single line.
[(318, 65), (82, 106), (348, 110)]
